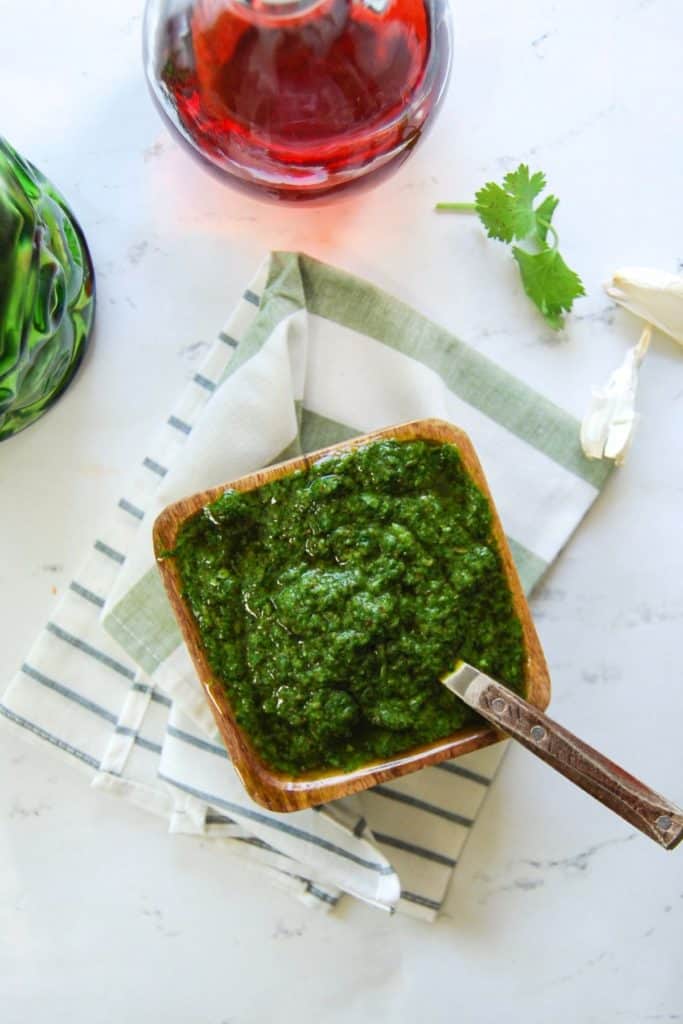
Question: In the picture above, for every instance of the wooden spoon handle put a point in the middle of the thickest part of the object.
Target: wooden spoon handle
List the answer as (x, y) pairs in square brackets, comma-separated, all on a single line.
[(593, 772)]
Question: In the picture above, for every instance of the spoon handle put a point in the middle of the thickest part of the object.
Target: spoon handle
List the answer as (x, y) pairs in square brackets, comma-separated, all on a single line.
[(657, 817)]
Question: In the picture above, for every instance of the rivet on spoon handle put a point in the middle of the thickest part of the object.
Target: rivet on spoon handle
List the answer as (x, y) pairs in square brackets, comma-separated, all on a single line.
[(653, 814)]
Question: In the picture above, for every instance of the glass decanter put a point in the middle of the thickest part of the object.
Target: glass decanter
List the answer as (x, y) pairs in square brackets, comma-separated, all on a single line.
[(295, 100), (47, 299)]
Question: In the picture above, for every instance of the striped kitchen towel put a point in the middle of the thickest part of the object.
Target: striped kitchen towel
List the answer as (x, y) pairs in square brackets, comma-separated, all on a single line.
[(310, 356)]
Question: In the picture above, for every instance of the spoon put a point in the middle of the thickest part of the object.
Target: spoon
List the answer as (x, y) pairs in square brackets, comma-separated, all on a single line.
[(655, 816)]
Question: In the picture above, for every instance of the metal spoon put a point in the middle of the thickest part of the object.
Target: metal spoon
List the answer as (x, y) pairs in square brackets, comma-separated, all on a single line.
[(655, 816)]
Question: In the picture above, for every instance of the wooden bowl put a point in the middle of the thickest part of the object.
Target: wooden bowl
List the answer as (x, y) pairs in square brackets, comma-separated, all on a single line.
[(278, 791)]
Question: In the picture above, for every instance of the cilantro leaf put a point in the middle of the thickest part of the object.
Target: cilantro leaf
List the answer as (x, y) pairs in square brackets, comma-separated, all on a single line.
[(507, 211), (550, 284), (497, 213), (544, 215), (523, 186)]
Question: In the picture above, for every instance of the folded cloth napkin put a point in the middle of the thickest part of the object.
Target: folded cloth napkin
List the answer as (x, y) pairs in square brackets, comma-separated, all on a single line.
[(310, 356)]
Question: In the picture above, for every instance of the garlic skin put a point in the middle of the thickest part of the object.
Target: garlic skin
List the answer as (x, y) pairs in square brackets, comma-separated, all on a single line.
[(654, 295), (608, 426)]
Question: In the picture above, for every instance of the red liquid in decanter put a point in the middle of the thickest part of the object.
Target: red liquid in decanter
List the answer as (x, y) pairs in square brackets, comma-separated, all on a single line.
[(304, 102)]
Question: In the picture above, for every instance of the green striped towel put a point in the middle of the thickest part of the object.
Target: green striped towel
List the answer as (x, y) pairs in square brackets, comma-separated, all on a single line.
[(310, 356)]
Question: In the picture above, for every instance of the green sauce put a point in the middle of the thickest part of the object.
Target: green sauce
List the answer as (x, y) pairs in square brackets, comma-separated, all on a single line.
[(331, 601)]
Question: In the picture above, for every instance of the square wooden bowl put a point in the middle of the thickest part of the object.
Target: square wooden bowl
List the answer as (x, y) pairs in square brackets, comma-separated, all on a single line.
[(278, 791)]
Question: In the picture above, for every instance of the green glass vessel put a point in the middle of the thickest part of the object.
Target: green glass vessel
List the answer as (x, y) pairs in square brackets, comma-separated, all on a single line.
[(47, 293)]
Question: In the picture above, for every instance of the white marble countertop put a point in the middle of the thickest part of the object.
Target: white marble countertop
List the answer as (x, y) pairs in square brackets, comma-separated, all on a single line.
[(558, 910)]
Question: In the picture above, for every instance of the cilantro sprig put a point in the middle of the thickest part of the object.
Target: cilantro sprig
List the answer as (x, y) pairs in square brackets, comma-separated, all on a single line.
[(508, 213)]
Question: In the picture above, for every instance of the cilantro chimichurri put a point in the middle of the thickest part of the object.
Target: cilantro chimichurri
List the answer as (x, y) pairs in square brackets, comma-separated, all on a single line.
[(331, 601)]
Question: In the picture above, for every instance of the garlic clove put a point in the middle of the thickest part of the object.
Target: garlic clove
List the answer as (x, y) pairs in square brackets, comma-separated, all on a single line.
[(653, 295), (608, 426)]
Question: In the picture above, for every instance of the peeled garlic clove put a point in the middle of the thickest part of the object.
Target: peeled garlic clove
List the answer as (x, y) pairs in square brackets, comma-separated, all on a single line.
[(654, 295), (607, 428)]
